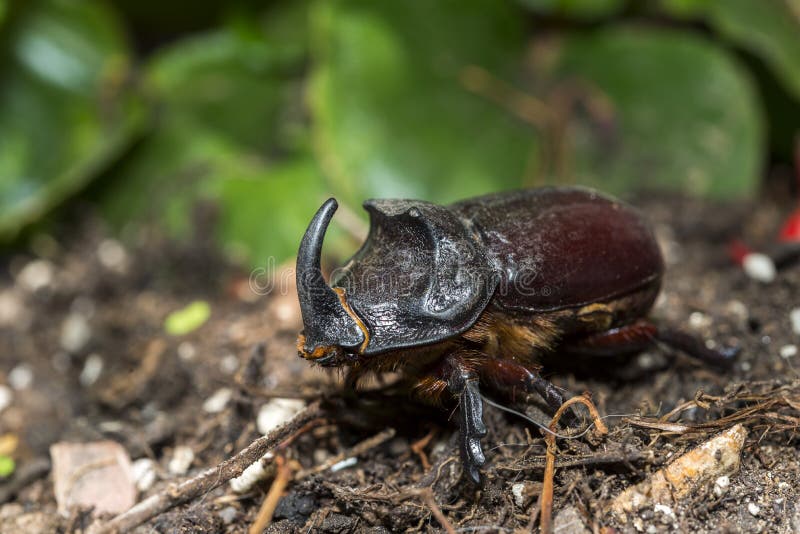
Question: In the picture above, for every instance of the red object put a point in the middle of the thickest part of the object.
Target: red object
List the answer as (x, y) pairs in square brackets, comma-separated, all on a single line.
[(790, 232)]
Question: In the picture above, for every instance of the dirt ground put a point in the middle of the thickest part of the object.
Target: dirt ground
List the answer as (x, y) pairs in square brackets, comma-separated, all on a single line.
[(84, 356)]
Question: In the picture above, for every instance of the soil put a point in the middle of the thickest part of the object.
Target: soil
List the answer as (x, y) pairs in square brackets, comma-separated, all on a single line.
[(79, 301)]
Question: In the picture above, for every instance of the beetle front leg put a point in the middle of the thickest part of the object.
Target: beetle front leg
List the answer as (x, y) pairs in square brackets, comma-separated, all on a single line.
[(463, 383)]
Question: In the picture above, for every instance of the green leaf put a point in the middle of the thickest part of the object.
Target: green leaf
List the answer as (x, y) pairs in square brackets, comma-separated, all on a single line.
[(267, 212), (685, 115), (579, 9), (66, 109), (769, 29), (231, 131), (391, 116), (188, 319), (227, 81)]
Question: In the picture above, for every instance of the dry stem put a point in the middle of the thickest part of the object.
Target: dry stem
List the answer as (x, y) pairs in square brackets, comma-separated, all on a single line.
[(546, 497)]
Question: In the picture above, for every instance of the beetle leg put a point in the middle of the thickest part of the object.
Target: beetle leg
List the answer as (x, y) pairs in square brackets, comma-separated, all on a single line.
[(508, 377), (464, 383), (643, 334)]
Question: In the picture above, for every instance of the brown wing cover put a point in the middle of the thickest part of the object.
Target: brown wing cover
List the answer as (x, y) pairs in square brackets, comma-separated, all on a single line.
[(563, 247)]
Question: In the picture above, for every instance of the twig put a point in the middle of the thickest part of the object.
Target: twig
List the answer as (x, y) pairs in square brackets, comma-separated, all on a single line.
[(356, 450), (267, 510), (546, 497), (209, 479), (418, 447), (426, 496)]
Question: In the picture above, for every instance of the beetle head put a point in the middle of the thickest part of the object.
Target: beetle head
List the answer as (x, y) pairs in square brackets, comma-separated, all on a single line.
[(332, 332), (421, 277)]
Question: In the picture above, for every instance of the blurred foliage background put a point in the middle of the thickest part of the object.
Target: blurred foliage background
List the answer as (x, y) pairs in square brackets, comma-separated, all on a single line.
[(144, 109)]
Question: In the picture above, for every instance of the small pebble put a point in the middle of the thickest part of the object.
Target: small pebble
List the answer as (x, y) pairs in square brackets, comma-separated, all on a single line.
[(36, 275), (738, 310), (276, 412), (92, 368), (228, 515), (217, 402), (229, 364), (759, 267), (21, 377), (721, 485), (182, 458), (186, 351), (75, 333), (517, 490), (745, 366), (753, 508), (794, 316), (144, 473), (666, 510), (112, 256), (699, 320), (788, 351), (6, 397)]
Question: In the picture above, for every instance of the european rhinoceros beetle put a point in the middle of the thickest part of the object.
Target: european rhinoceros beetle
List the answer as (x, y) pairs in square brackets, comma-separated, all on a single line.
[(474, 293)]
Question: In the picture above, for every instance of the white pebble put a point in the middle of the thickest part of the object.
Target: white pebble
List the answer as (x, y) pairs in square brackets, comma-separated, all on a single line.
[(112, 255), (276, 412), (229, 364), (666, 510), (21, 377), (344, 464), (182, 458), (217, 402), (75, 333), (699, 320), (186, 351), (92, 368), (255, 472), (228, 515), (721, 485), (6, 397), (794, 317), (759, 267), (745, 366), (144, 473), (518, 491), (737, 309), (788, 351), (36, 275), (753, 508)]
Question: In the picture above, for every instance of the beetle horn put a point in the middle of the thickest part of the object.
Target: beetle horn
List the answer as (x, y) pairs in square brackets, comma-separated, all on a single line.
[(326, 322)]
